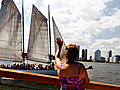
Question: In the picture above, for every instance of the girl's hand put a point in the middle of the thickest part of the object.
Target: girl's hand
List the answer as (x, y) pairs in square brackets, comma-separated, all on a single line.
[(59, 42)]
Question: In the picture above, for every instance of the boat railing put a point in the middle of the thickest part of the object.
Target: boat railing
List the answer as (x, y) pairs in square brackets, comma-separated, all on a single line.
[(47, 79)]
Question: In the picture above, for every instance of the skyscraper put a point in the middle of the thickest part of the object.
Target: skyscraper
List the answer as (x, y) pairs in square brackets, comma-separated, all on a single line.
[(90, 59), (98, 55), (84, 55), (109, 54)]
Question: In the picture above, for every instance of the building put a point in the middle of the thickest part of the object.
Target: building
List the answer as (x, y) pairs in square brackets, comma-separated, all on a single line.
[(103, 59), (84, 55), (97, 55), (115, 59), (78, 53), (90, 59), (109, 54), (118, 56)]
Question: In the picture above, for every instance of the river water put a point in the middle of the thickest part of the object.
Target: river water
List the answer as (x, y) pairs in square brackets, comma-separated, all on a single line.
[(104, 72), (101, 72)]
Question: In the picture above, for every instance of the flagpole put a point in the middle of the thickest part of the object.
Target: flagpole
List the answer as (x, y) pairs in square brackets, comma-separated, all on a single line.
[(49, 31), (23, 30)]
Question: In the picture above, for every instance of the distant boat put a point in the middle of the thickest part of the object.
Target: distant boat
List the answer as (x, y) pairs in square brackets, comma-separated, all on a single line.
[(39, 46)]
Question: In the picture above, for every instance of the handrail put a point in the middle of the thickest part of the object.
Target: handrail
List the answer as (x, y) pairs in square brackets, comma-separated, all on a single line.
[(41, 78)]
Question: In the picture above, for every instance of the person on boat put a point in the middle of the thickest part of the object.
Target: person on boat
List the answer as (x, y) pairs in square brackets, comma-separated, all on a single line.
[(71, 75)]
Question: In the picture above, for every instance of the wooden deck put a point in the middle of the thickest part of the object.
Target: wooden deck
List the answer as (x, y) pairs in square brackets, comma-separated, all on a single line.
[(41, 78)]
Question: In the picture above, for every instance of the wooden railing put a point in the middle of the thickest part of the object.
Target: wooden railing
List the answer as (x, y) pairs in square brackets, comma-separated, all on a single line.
[(41, 78)]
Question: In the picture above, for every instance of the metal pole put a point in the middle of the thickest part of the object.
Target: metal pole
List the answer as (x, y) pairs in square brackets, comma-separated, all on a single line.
[(49, 31), (23, 30)]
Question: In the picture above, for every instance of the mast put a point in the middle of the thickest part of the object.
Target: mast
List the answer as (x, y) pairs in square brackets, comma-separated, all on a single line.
[(23, 30), (49, 32)]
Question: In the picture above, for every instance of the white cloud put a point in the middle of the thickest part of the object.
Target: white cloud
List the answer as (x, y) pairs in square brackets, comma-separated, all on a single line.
[(79, 20), (79, 14), (110, 22), (105, 45)]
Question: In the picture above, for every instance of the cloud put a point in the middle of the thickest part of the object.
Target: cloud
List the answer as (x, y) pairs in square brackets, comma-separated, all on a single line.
[(110, 22), (80, 15), (105, 45), (80, 20)]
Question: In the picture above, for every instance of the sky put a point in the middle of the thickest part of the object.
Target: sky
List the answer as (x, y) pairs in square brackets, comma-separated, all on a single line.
[(91, 24)]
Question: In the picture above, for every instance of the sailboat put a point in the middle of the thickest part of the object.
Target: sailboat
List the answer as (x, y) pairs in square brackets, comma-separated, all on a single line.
[(38, 49), (39, 46)]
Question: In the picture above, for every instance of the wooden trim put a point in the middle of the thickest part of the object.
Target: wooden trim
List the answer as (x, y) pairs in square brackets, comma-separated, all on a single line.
[(47, 79)]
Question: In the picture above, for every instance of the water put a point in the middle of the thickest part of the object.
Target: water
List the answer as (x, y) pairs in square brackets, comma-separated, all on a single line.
[(101, 72), (104, 72)]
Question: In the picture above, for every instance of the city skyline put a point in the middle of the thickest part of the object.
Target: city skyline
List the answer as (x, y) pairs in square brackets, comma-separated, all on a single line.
[(91, 24), (98, 58)]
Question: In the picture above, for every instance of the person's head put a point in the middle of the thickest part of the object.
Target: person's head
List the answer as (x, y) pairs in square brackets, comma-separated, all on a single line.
[(71, 52)]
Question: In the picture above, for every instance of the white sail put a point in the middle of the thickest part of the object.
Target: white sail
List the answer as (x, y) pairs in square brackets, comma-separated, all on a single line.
[(58, 35), (10, 32), (38, 49)]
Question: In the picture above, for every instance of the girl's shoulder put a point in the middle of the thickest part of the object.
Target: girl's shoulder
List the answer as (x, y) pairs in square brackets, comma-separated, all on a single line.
[(75, 62)]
